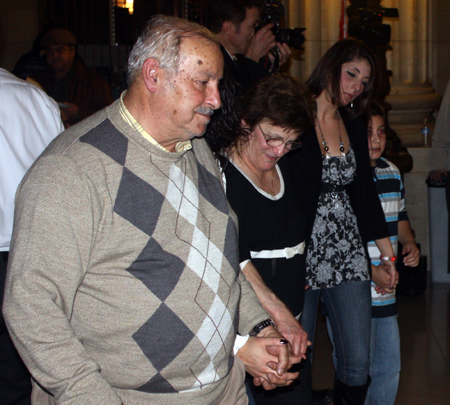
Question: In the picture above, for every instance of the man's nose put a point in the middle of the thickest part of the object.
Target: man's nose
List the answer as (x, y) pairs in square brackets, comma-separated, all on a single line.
[(213, 98)]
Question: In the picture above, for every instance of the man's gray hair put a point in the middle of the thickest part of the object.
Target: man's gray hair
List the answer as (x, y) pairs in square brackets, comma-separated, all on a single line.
[(161, 40)]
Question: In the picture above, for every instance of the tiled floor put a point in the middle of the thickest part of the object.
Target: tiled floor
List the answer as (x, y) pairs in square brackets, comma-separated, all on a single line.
[(425, 343)]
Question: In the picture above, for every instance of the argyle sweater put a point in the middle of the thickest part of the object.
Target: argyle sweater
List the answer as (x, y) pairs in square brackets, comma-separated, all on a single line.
[(124, 283)]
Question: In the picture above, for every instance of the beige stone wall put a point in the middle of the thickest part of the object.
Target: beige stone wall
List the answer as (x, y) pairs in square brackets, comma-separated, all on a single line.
[(441, 44), (18, 29)]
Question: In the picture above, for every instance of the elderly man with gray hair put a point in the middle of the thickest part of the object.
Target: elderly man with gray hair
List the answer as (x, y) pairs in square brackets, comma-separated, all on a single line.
[(124, 284)]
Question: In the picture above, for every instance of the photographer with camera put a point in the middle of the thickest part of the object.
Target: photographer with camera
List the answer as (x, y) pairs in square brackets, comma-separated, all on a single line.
[(250, 53)]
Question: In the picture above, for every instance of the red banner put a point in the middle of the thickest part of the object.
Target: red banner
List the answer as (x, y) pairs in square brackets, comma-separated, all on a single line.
[(343, 21)]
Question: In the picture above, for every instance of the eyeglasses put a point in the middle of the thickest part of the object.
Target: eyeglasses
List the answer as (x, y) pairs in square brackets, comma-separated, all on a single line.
[(274, 142)]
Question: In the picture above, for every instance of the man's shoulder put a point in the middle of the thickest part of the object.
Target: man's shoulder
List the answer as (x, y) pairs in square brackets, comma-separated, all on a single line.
[(95, 130)]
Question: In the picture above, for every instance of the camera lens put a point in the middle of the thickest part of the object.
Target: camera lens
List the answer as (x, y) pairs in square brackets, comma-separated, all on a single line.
[(293, 37)]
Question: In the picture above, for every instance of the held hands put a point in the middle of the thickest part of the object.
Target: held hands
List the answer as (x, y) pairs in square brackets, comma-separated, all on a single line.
[(267, 358), (384, 278)]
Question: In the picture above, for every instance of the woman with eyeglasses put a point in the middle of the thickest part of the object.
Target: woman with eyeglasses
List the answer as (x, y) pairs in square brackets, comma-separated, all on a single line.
[(272, 117), (343, 212)]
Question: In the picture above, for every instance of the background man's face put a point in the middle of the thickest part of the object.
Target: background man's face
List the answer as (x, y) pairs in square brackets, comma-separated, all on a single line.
[(59, 57), (192, 95), (246, 29)]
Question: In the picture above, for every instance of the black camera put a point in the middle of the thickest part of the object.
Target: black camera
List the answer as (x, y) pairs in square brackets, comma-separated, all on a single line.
[(366, 23), (273, 12)]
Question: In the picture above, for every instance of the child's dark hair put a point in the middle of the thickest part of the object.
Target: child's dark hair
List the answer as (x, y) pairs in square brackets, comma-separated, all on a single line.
[(376, 109)]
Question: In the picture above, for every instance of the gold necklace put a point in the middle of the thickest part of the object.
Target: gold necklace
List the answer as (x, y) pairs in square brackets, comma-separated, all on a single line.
[(324, 142)]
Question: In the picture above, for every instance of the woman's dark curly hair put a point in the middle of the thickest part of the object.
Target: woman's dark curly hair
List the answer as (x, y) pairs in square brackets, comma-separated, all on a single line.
[(279, 100), (224, 124), (327, 73)]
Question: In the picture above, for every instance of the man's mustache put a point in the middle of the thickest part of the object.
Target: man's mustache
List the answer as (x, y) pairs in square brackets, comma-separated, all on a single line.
[(204, 110)]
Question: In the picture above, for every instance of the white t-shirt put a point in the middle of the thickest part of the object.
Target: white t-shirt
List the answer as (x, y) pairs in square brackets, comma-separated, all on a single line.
[(29, 120)]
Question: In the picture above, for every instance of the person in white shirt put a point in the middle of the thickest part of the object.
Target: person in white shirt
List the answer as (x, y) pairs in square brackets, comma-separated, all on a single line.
[(29, 120)]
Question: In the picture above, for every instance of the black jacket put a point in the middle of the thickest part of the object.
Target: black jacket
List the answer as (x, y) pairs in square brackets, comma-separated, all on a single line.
[(244, 71), (306, 164)]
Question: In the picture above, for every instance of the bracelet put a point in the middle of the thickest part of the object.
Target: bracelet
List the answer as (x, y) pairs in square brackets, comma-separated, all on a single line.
[(388, 259), (260, 326)]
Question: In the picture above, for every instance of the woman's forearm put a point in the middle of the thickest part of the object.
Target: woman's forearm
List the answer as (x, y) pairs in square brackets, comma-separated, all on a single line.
[(385, 247)]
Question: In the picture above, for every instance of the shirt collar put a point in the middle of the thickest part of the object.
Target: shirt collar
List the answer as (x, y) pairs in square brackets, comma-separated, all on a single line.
[(181, 146), (230, 55), (381, 163)]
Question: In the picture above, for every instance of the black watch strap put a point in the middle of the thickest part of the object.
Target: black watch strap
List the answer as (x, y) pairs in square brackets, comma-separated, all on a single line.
[(260, 326)]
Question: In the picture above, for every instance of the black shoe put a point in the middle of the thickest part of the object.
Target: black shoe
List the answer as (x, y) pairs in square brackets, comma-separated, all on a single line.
[(322, 397), (350, 395)]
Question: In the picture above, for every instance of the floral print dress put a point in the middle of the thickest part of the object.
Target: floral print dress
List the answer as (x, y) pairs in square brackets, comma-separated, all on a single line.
[(335, 253)]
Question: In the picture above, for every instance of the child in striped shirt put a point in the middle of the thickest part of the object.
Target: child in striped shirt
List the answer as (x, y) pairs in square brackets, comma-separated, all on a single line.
[(385, 339)]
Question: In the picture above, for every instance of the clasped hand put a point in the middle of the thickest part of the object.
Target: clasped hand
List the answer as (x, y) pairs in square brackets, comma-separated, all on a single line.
[(268, 357), (385, 277)]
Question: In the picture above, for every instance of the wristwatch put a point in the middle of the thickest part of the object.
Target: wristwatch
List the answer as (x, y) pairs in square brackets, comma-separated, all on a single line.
[(260, 326)]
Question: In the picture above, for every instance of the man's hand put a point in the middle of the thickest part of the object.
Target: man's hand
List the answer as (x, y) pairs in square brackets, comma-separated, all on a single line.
[(260, 44), (284, 52)]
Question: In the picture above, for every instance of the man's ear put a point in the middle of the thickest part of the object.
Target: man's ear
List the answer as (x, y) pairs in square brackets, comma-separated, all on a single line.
[(151, 73), (228, 27)]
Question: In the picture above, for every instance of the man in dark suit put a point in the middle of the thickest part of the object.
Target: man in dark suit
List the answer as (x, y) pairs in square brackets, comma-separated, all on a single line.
[(247, 54)]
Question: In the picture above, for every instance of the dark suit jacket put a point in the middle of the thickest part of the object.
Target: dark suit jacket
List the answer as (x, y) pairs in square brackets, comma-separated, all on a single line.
[(244, 71)]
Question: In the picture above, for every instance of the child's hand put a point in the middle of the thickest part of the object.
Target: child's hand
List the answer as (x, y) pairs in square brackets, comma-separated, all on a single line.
[(411, 254)]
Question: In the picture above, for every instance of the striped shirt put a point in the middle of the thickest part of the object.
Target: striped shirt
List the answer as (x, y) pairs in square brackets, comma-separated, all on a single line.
[(392, 197)]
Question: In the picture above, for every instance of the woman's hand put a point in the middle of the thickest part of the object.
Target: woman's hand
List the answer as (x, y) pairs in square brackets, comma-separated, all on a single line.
[(292, 330), (285, 322), (389, 267), (383, 279), (385, 247), (267, 358)]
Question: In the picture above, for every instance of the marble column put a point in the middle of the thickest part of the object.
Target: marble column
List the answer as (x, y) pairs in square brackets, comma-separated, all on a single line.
[(321, 20), (412, 96)]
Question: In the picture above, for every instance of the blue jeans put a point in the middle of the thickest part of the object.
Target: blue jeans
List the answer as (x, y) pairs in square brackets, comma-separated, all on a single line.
[(348, 309), (384, 361)]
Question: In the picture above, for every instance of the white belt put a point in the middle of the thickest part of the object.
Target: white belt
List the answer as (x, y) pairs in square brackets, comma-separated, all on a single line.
[(287, 253)]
